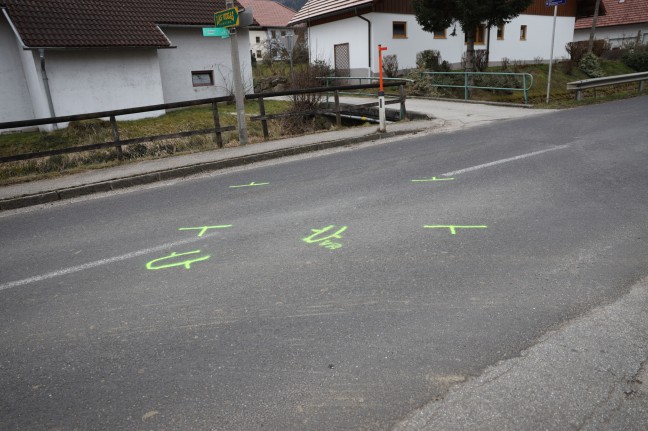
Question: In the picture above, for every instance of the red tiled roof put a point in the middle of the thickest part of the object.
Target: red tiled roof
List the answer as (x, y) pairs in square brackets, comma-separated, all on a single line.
[(269, 13), (105, 23), (618, 13), (318, 8)]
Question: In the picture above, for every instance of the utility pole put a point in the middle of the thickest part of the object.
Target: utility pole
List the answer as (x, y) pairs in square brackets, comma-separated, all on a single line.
[(239, 92)]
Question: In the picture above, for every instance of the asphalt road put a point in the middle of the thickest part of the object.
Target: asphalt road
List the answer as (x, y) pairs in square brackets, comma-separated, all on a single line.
[(271, 322)]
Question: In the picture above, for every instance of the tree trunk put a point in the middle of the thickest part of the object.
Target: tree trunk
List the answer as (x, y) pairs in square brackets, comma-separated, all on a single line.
[(590, 46), (470, 50)]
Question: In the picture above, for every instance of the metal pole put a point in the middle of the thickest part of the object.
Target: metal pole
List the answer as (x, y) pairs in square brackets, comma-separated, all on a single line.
[(239, 92), (381, 94), (553, 38)]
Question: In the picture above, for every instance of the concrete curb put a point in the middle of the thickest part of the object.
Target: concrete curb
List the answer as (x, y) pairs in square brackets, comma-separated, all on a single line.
[(185, 171)]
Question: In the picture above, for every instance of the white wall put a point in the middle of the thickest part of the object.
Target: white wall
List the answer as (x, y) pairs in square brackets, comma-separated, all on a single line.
[(197, 53), (615, 34), (258, 46), (15, 101), (538, 40), (84, 80), (354, 31)]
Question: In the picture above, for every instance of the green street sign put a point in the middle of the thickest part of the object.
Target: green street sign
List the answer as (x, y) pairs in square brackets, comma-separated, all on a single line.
[(227, 18), (215, 32)]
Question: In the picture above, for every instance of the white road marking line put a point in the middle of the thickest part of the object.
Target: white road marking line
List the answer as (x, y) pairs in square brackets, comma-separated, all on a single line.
[(510, 159), (101, 262)]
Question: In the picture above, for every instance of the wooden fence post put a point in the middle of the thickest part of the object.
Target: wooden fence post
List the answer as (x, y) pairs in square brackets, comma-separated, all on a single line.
[(218, 136), (338, 118), (115, 133), (264, 122)]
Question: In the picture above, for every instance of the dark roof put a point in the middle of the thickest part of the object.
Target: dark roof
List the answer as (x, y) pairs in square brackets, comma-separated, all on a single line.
[(617, 12), (105, 23)]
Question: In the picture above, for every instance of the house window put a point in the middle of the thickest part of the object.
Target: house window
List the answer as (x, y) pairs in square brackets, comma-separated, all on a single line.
[(273, 34), (202, 78), (500, 32), (399, 30), (259, 55), (523, 32), (283, 33), (480, 33), (440, 34), (258, 39)]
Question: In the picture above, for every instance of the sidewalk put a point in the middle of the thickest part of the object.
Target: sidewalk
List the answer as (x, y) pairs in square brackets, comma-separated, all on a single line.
[(444, 116)]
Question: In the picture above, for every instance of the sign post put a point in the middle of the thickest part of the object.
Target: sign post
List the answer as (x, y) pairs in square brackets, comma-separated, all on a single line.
[(229, 18), (555, 4), (381, 93)]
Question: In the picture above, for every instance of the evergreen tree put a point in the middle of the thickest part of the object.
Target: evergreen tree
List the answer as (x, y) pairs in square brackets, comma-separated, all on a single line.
[(438, 15)]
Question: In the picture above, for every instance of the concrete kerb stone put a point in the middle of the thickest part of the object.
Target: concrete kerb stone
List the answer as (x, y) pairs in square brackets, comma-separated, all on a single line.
[(185, 171)]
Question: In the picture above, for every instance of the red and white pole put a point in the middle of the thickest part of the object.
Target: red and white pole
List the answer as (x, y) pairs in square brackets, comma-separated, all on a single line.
[(381, 94)]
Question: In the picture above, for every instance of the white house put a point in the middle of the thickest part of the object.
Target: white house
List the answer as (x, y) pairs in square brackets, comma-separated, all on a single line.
[(272, 21), (346, 33), (619, 22), (77, 56)]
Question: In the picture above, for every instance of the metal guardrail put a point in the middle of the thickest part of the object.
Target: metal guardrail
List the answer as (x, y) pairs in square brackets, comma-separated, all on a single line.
[(585, 84), (525, 78), (216, 130)]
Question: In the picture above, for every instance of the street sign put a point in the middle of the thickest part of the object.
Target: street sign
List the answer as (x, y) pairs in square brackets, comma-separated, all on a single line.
[(227, 18), (215, 32), (555, 2)]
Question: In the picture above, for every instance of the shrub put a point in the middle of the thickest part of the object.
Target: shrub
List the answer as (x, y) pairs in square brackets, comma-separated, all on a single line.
[(319, 68), (429, 59), (591, 65), (390, 66), (637, 58), (567, 66), (479, 59), (577, 50)]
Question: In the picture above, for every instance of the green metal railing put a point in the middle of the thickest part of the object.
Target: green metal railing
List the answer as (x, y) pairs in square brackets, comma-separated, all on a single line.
[(525, 81)]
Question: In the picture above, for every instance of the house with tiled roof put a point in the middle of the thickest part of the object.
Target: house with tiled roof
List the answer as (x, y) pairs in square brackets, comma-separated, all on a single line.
[(271, 24), (66, 57), (619, 22), (346, 34)]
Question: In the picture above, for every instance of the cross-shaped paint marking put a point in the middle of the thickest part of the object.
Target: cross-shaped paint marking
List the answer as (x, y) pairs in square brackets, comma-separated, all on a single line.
[(204, 229)]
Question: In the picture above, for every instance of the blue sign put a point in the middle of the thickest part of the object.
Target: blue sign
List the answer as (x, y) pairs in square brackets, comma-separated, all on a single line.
[(555, 2)]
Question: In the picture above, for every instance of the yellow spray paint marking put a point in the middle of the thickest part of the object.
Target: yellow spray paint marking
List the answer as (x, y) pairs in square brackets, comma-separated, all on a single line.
[(325, 241), (186, 263), (204, 229), (432, 179), (453, 228), (252, 184)]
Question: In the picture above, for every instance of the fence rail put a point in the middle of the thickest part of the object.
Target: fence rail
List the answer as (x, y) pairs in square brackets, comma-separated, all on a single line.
[(585, 84), (217, 130), (526, 81)]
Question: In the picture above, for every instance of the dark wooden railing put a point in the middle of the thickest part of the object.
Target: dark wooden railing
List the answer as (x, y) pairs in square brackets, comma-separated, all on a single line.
[(217, 130)]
